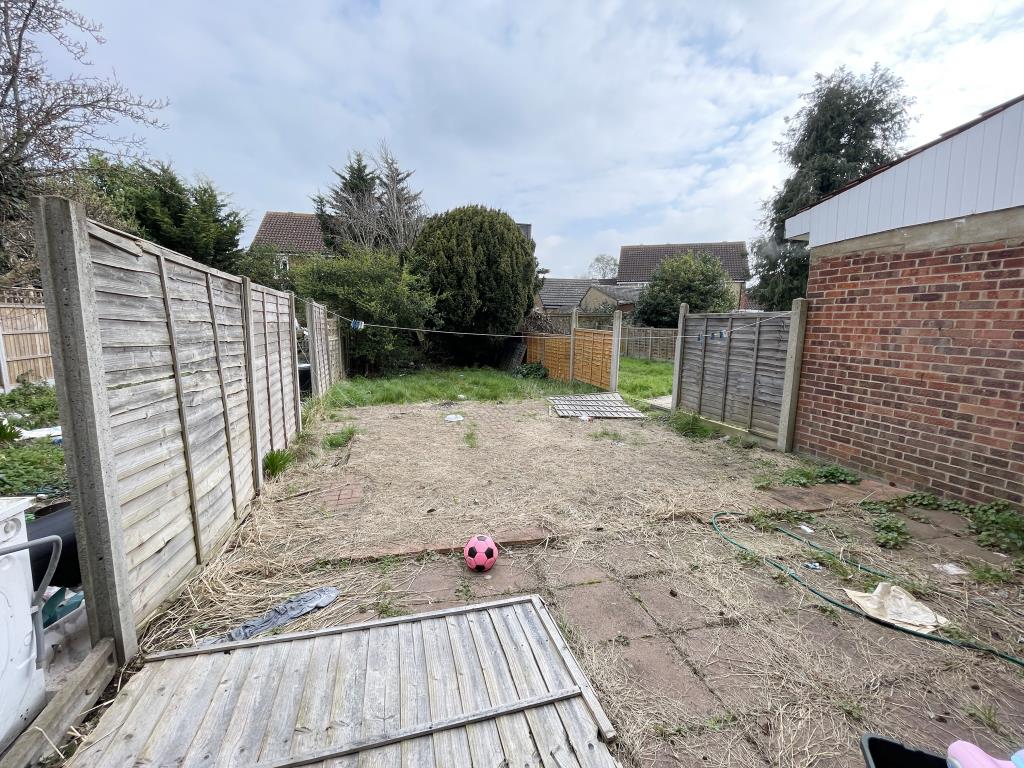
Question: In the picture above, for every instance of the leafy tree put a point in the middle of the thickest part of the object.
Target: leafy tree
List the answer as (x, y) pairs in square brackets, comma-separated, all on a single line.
[(603, 267), (371, 207), (156, 203), (48, 124), (371, 286), (697, 279), (262, 264), (481, 268), (848, 125)]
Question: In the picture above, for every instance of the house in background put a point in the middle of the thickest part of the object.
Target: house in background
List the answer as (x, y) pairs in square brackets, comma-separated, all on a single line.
[(562, 294), (601, 297), (295, 236), (638, 262)]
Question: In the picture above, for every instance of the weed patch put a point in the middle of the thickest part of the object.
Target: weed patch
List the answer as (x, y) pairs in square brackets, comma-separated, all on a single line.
[(607, 434), (276, 462), (471, 438), (30, 406), (890, 532), (767, 519), (643, 379), (808, 476), (340, 439), (690, 425), (455, 384)]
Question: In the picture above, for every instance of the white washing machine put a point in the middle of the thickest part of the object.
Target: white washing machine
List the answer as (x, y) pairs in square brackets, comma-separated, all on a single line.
[(22, 684)]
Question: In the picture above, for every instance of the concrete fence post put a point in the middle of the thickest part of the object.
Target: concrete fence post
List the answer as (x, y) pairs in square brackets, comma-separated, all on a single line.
[(791, 385), (677, 368), (250, 385), (313, 329), (293, 338), (574, 321), (616, 352), (65, 264)]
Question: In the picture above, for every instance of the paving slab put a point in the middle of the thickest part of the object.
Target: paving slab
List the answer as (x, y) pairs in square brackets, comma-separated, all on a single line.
[(508, 577), (951, 521), (559, 572), (800, 499), (670, 607), (961, 548), (654, 664), (604, 612), (519, 537), (634, 560), (923, 531)]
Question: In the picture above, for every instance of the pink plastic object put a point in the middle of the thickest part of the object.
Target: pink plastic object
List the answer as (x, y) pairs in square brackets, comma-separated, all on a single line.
[(480, 553), (963, 754)]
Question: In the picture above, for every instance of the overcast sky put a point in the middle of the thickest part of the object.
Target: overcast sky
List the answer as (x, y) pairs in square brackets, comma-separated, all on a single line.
[(601, 123)]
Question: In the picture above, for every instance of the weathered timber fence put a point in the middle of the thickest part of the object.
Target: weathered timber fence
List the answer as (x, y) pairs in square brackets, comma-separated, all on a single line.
[(648, 343), (741, 369), (586, 355), (174, 380), (326, 361), (24, 342)]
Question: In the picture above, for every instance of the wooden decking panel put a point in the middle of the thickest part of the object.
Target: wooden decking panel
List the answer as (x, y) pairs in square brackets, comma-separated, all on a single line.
[(474, 687)]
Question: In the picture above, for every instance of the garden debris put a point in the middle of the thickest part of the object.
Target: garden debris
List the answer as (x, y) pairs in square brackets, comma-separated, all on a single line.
[(453, 417), (806, 528), (951, 569), (813, 566), (894, 605), (604, 405), (279, 615)]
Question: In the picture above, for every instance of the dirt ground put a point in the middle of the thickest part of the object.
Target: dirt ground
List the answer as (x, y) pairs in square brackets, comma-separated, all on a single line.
[(701, 656)]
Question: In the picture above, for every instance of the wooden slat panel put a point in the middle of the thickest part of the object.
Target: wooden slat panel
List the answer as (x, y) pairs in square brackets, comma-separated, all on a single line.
[(451, 748), (414, 696)]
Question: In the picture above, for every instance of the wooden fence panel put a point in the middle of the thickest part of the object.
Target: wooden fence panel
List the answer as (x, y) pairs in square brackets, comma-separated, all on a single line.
[(24, 342), (733, 368), (648, 343), (552, 352), (593, 358), (173, 338), (325, 350)]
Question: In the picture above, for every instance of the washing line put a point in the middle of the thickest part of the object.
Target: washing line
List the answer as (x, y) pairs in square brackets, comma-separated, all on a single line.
[(360, 324)]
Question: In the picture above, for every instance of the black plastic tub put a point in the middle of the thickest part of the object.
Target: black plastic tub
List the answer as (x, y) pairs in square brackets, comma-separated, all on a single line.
[(880, 752)]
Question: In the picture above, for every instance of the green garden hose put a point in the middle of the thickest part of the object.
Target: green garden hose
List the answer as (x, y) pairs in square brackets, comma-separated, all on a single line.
[(855, 611)]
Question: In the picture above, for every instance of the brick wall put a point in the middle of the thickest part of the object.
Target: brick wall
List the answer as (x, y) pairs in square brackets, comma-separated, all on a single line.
[(913, 367)]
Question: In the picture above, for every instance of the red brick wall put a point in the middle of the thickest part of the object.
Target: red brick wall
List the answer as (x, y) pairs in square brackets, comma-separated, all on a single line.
[(913, 368)]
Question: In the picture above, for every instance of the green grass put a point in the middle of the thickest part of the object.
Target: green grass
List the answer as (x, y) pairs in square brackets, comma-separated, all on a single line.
[(340, 439), (470, 437), (644, 379), (605, 433), (427, 386)]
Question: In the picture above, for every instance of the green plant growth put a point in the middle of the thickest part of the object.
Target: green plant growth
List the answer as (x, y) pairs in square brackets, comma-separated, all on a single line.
[(643, 379), (746, 443), (983, 573), (276, 462), (452, 384), (697, 279), (8, 433), (690, 425), (531, 371), (32, 467), (470, 437), (340, 439), (890, 531), (996, 524), (30, 406), (767, 519), (806, 476), (607, 434)]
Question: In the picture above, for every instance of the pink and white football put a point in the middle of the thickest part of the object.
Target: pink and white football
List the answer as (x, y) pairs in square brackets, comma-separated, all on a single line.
[(480, 553)]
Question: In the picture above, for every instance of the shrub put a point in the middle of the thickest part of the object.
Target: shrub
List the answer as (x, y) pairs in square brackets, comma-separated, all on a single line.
[(35, 404), (532, 371), (371, 286), (482, 270), (31, 468), (276, 462), (890, 532)]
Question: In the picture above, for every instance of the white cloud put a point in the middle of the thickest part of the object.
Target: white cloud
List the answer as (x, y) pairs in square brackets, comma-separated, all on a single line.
[(600, 123)]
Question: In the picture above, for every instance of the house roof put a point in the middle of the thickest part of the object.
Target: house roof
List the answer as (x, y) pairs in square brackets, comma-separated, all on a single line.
[(969, 169), (638, 262), (564, 291), (290, 232), (623, 294)]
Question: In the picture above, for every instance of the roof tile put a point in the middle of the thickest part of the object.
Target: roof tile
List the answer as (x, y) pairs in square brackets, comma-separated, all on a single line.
[(638, 262), (290, 232)]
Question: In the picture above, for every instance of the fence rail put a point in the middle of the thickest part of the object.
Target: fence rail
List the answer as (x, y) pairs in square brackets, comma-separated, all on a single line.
[(174, 380), (741, 369), (24, 342), (648, 343)]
